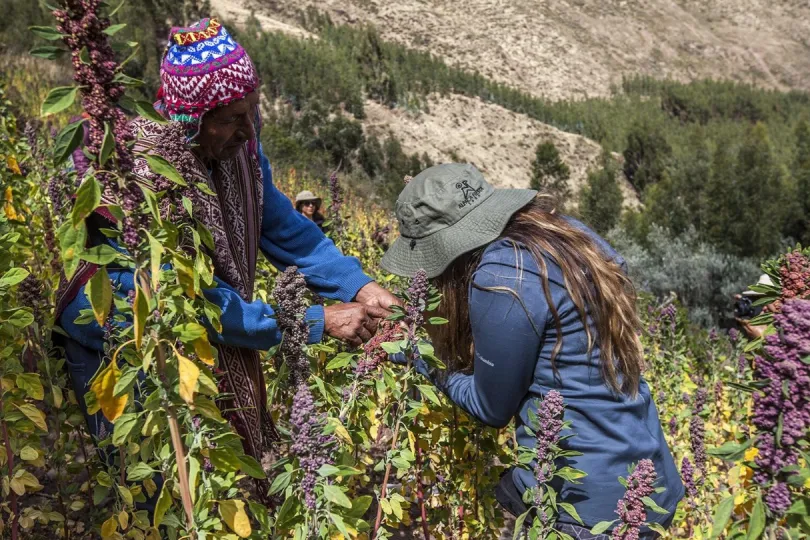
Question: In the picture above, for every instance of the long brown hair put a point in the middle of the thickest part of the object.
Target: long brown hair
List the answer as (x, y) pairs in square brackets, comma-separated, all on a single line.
[(596, 285)]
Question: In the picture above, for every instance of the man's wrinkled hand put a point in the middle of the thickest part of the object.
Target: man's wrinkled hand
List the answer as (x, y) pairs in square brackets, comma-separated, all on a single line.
[(753, 332), (373, 295), (353, 322)]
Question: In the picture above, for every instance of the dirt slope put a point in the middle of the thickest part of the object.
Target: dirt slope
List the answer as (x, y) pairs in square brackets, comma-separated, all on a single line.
[(574, 48), (558, 49), (499, 142)]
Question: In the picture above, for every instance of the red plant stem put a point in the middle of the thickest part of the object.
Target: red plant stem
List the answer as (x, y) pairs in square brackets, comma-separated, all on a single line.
[(460, 514), (174, 431), (123, 453), (80, 434), (460, 493), (30, 366), (420, 494), (384, 487), (15, 522)]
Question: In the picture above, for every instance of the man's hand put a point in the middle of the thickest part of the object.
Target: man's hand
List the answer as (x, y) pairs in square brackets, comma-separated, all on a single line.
[(374, 295), (753, 332), (353, 323)]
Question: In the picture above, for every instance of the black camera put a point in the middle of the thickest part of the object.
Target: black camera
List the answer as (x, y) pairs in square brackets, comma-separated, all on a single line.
[(745, 309)]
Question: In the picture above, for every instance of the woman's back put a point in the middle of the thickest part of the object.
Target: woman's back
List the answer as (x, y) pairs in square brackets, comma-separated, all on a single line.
[(612, 431)]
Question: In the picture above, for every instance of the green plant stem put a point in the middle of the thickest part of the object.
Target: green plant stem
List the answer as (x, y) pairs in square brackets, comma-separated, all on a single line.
[(80, 436)]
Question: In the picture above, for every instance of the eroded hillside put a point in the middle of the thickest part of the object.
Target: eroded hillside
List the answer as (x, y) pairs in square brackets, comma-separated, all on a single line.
[(498, 141), (577, 48), (560, 49)]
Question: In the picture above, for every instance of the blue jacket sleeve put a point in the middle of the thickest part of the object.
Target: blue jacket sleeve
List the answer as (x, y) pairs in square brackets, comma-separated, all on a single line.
[(507, 327), (288, 238), (244, 324)]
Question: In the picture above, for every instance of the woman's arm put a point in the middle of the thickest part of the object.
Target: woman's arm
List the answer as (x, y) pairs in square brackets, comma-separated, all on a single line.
[(506, 338), (288, 238), (244, 324)]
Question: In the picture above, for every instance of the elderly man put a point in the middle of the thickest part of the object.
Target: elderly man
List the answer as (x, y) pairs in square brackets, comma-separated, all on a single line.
[(210, 86)]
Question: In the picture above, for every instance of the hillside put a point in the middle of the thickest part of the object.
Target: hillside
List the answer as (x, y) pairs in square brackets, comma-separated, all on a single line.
[(578, 48), (500, 142)]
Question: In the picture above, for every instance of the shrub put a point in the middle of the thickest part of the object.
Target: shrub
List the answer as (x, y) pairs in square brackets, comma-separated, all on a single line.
[(704, 279)]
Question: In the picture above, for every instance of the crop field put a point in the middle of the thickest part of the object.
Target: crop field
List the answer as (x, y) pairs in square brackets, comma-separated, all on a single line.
[(366, 448)]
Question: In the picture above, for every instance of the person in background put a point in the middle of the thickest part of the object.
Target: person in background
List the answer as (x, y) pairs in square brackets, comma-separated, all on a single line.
[(536, 301), (310, 206), (744, 310)]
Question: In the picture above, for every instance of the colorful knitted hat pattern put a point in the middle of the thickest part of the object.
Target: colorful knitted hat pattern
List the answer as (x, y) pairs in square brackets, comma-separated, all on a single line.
[(203, 68)]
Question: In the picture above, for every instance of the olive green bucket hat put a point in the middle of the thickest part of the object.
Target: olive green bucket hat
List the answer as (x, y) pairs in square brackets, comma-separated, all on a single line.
[(446, 211)]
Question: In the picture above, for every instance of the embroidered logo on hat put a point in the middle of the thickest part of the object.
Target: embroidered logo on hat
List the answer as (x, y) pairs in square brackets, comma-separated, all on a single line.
[(470, 193)]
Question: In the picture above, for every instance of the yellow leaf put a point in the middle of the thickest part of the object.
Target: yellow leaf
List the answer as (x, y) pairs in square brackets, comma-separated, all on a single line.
[(58, 398), (34, 414), (123, 519), (109, 527), (150, 486), (27, 479), (103, 387), (185, 275), (342, 433), (99, 293), (11, 161), (189, 373), (9, 210), (126, 494), (28, 453), (233, 514), (17, 487), (163, 503), (386, 506), (204, 350)]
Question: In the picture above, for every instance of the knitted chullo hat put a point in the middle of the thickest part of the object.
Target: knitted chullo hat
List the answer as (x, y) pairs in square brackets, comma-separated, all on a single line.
[(203, 68)]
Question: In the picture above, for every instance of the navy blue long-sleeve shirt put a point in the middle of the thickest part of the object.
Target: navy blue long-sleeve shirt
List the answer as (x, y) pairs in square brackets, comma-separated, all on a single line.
[(287, 238), (512, 370)]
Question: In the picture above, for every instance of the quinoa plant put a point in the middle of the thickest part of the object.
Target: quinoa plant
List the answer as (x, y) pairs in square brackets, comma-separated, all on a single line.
[(632, 508), (547, 426)]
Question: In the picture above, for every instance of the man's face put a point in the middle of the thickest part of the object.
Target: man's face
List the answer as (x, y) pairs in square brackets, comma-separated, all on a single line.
[(308, 208), (225, 129)]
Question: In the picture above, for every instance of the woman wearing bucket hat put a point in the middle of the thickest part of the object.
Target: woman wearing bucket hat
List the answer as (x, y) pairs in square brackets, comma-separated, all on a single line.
[(309, 206), (535, 301)]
